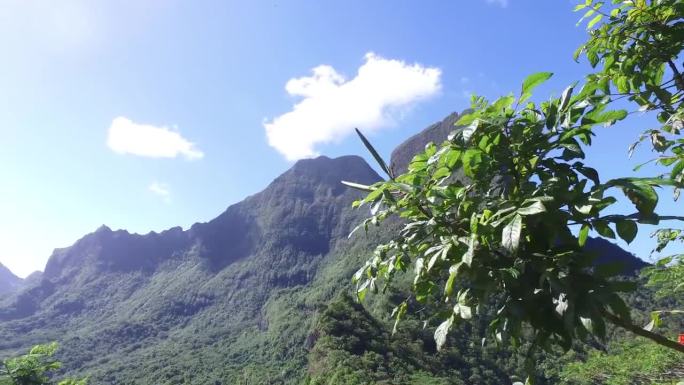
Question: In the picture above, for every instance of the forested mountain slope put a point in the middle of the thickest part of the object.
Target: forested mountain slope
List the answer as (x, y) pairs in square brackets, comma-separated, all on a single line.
[(236, 300), (131, 308)]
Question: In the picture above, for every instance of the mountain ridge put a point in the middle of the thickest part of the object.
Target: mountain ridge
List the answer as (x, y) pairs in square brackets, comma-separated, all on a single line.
[(111, 289), (232, 298)]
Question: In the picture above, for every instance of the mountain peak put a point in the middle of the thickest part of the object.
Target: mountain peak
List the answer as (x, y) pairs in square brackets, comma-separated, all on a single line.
[(332, 171)]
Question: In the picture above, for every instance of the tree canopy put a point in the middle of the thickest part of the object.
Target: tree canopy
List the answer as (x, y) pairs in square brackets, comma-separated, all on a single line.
[(498, 214)]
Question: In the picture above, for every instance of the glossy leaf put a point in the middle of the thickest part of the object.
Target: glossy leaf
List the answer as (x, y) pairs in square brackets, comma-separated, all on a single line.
[(531, 82), (510, 236), (627, 230)]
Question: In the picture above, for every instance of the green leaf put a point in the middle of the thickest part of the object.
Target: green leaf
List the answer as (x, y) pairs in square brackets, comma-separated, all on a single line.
[(465, 119), (578, 52), (590, 173), (604, 229), (503, 102), (468, 255), (400, 312), (677, 169), (593, 21), (442, 331), (358, 186), (583, 234), (622, 84), (640, 191), (627, 230), (531, 82), (510, 236), (586, 14), (375, 154), (441, 172), (362, 291), (535, 208), (471, 159), (610, 117), (449, 287), (644, 198), (464, 311), (565, 98), (586, 322)]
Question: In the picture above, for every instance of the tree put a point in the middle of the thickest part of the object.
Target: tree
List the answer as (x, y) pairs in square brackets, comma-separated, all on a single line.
[(511, 233), (34, 368), (638, 47)]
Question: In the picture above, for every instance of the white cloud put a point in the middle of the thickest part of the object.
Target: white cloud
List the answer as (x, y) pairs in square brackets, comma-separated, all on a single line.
[(332, 106), (160, 189), (500, 3), (128, 137)]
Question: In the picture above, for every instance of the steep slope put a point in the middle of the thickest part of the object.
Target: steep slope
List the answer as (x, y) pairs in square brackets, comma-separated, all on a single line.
[(193, 305), (8, 281), (234, 300)]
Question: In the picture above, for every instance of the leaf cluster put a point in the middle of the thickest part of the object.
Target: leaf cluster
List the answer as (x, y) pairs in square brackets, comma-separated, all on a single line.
[(516, 225), (35, 368)]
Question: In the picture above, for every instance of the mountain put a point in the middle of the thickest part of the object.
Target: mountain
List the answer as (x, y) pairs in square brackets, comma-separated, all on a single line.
[(609, 253), (8, 281), (33, 278), (254, 296), (209, 303)]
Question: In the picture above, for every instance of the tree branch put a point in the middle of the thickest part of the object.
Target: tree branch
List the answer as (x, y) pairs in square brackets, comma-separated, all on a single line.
[(657, 338), (677, 75)]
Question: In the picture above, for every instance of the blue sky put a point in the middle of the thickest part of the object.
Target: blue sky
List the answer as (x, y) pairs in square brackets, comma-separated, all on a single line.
[(82, 82)]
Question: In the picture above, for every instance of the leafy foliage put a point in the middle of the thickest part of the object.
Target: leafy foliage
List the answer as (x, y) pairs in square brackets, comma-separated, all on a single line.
[(516, 224), (668, 273), (468, 239), (636, 49), (35, 368)]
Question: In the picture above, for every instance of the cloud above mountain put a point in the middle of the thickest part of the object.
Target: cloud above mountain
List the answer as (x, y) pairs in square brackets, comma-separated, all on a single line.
[(128, 137), (161, 190), (332, 106)]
